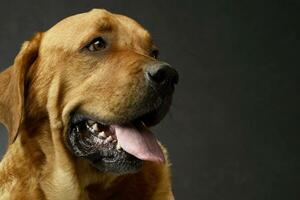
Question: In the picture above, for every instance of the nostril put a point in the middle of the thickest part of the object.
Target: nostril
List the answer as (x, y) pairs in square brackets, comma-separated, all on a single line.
[(162, 74), (158, 76)]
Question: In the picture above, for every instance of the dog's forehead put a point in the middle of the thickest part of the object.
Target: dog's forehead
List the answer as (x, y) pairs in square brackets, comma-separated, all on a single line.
[(74, 31)]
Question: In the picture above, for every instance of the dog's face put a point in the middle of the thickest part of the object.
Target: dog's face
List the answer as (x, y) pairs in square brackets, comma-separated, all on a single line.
[(105, 86)]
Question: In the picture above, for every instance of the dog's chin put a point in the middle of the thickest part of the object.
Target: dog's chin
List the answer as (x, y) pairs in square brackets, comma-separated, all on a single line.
[(98, 142)]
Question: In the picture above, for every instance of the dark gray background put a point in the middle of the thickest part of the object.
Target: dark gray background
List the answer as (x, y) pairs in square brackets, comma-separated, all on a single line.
[(233, 131)]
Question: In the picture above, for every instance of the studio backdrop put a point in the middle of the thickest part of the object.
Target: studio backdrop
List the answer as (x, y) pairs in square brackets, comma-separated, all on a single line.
[(233, 129)]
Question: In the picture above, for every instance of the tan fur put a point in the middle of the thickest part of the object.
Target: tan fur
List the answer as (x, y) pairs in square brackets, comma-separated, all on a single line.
[(51, 77)]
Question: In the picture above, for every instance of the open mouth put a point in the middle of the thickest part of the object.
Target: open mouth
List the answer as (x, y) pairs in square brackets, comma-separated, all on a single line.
[(114, 147)]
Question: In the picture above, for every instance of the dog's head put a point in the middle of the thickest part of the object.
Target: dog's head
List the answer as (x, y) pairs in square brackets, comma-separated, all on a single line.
[(97, 77)]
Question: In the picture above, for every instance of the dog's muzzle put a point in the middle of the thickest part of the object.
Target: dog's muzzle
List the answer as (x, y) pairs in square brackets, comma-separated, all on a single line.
[(122, 146)]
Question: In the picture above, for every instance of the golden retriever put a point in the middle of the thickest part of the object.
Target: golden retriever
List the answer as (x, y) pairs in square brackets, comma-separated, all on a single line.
[(77, 103)]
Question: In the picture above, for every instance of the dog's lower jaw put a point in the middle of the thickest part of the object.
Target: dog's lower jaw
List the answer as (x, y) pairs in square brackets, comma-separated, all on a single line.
[(101, 143)]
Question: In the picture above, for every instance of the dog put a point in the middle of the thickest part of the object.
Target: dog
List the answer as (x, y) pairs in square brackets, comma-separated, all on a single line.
[(78, 102)]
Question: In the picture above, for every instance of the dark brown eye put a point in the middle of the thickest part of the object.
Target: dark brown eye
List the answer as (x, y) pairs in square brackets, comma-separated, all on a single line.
[(97, 44), (154, 53)]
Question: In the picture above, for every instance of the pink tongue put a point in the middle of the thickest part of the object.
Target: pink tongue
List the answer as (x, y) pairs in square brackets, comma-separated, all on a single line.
[(139, 142)]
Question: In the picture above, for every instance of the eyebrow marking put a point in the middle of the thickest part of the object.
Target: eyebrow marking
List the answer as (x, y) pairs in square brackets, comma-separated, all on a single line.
[(104, 25)]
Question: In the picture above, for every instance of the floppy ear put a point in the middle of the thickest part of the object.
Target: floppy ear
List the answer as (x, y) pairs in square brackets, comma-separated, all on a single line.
[(12, 82)]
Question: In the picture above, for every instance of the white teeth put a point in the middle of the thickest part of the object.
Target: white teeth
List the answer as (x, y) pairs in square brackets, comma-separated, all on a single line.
[(102, 134), (108, 139), (118, 146), (95, 127), (99, 141)]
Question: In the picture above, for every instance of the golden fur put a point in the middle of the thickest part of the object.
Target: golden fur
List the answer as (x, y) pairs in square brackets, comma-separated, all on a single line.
[(49, 78)]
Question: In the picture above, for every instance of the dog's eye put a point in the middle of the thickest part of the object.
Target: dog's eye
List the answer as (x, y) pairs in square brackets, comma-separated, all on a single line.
[(154, 53), (97, 44)]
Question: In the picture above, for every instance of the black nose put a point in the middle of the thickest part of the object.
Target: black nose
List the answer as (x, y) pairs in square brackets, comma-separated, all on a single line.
[(161, 74)]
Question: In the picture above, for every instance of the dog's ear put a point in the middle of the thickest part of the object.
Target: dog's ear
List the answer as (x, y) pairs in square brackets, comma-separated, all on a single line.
[(12, 82)]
